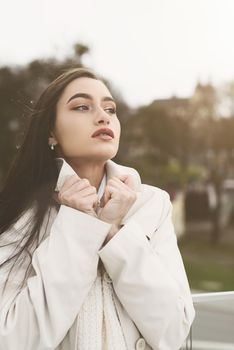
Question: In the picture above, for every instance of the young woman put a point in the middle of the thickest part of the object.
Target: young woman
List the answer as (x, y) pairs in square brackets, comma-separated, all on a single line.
[(88, 254)]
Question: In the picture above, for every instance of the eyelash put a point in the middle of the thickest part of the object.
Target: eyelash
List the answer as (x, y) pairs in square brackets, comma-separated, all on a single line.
[(111, 110)]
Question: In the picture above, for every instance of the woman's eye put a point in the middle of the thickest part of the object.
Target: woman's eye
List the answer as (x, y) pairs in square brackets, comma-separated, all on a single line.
[(110, 110), (81, 108)]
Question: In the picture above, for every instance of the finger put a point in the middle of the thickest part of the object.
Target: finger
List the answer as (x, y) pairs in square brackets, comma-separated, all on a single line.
[(77, 186), (116, 182), (127, 180), (88, 202), (81, 203), (87, 191), (70, 180), (97, 203), (110, 192), (75, 193), (105, 198)]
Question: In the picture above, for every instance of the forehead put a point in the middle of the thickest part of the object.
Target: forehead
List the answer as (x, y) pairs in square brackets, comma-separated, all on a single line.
[(96, 88)]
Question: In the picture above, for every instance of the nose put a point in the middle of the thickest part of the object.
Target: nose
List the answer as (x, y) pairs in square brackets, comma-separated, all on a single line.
[(102, 117)]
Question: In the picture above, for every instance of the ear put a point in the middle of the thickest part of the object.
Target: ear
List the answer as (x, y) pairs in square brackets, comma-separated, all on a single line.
[(52, 140)]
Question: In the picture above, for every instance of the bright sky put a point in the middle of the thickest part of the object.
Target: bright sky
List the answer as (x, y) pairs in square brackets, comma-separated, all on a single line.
[(148, 49)]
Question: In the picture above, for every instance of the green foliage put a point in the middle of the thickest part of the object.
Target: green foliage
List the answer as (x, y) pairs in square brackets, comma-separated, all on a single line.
[(209, 267)]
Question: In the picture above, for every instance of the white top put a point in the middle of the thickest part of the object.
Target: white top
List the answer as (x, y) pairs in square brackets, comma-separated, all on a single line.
[(102, 187)]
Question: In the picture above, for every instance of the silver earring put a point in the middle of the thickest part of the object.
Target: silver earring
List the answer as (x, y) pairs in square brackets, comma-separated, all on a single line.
[(52, 147)]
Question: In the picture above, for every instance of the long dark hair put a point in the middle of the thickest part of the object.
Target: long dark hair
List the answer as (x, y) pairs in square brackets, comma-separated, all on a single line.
[(34, 172)]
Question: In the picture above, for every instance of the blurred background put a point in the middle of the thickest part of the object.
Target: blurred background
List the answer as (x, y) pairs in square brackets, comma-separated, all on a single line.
[(170, 66)]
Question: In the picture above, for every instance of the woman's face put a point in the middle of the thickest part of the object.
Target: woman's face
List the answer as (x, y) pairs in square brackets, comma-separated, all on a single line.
[(84, 108)]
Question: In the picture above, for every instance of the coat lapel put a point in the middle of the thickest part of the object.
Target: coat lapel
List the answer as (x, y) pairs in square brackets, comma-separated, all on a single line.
[(65, 170), (112, 169)]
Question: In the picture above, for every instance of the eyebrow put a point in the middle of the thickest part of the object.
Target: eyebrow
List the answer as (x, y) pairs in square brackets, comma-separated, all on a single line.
[(89, 97)]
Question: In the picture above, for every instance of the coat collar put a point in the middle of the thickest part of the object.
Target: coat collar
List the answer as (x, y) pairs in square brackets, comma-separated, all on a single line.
[(146, 209), (112, 169)]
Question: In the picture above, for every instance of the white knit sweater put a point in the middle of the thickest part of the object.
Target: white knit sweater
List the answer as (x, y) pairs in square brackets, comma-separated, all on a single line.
[(98, 326)]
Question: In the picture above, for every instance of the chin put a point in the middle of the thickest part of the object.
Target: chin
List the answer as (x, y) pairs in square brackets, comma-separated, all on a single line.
[(105, 155)]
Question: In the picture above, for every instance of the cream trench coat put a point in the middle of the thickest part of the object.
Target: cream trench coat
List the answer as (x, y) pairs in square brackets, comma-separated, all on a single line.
[(153, 298)]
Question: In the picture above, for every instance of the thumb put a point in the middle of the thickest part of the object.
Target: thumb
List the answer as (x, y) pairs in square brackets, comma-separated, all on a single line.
[(105, 198)]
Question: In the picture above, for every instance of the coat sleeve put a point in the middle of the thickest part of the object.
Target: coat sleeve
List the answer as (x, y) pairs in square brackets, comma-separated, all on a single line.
[(65, 264), (150, 281)]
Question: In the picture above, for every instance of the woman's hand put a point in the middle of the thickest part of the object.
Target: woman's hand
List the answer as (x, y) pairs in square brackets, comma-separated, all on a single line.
[(118, 198), (79, 194)]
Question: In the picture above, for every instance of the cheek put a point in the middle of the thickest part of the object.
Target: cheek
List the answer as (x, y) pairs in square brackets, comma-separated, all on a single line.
[(68, 133), (117, 128)]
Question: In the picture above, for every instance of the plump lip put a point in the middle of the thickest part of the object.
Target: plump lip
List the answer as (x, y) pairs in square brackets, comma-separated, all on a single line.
[(103, 131)]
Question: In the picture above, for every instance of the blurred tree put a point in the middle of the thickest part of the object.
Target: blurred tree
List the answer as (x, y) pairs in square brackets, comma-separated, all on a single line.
[(213, 143), (152, 139), (80, 50)]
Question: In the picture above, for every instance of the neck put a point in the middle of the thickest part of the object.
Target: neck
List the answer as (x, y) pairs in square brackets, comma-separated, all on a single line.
[(92, 171)]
